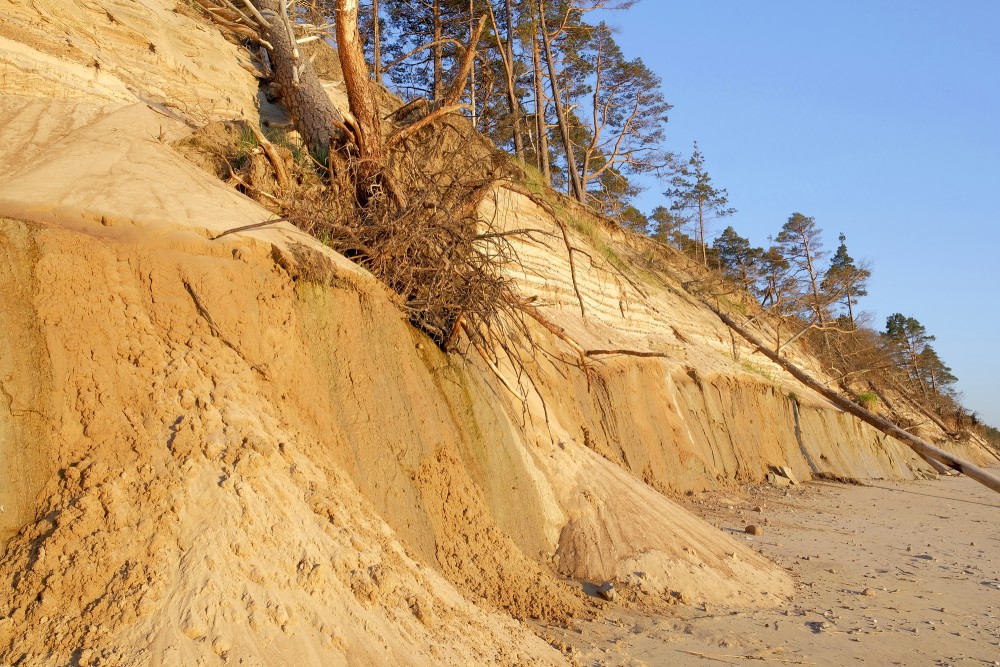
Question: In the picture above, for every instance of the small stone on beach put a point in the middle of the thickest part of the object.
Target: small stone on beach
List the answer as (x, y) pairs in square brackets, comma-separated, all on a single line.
[(607, 591)]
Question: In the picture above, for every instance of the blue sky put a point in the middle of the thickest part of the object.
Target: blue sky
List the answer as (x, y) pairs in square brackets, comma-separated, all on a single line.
[(879, 118)]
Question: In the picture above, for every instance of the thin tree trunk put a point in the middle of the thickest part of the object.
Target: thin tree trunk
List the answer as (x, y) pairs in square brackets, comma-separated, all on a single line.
[(472, 71), (377, 44), (507, 59), (701, 232), (574, 174), (541, 126), (437, 51), (299, 87), (850, 306), (595, 134), (817, 301), (515, 103)]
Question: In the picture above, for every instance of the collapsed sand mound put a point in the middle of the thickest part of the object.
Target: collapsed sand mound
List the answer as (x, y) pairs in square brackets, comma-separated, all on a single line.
[(631, 534), (476, 555)]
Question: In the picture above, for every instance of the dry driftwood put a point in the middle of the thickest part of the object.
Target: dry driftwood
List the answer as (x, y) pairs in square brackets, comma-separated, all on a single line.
[(920, 446)]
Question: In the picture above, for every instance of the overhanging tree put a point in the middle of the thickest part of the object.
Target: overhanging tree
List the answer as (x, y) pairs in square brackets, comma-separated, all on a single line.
[(801, 244)]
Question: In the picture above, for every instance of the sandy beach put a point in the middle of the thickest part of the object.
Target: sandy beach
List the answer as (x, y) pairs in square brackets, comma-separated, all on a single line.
[(886, 574)]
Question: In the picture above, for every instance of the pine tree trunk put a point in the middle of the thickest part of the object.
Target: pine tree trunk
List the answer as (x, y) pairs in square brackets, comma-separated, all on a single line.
[(813, 283), (574, 174), (310, 107), (437, 50), (541, 127), (701, 232), (515, 103), (472, 72), (850, 306), (377, 44), (817, 300), (361, 97)]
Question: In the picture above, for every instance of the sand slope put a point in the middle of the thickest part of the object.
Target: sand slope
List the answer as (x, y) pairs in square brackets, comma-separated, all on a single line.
[(210, 403)]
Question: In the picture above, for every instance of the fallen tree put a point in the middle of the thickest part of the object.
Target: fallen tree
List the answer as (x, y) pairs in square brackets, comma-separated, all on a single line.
[(918, 445)]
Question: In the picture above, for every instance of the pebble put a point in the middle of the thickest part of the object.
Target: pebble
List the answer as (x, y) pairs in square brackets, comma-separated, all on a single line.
[(870, 592), (753, 530)]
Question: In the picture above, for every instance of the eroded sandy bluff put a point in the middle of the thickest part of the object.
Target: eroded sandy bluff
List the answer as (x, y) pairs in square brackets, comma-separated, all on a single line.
[(237, 451)]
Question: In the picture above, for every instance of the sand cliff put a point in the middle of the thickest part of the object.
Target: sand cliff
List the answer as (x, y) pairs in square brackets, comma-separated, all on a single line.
[(239, 449)]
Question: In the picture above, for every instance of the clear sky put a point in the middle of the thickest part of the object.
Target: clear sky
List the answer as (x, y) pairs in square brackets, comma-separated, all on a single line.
[(880, 118)]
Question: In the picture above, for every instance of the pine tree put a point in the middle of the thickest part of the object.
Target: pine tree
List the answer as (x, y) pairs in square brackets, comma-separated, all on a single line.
[(738, 258), (568, 13), (668, 228), (423, 39), (696, 199), (632, 218), (512, 68), (624, 128), (845, 281), (562, 36), (937, 376), (801, 244), (907, 340), (776, 288)]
